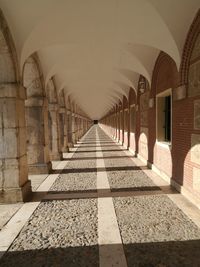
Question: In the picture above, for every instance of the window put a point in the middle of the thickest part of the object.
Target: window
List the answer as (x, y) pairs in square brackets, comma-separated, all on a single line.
[(164, 117), (167, 124)]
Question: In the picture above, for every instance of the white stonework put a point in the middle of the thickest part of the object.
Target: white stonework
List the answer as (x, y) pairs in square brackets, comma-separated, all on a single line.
[(195, 148), (196, 179)]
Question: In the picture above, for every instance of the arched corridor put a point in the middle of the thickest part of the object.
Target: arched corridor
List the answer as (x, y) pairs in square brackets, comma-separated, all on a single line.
[(100, 133)]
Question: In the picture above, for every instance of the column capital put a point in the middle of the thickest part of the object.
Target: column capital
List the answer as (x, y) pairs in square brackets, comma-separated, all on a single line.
[(62, 110), (53, 107), (35, 101)]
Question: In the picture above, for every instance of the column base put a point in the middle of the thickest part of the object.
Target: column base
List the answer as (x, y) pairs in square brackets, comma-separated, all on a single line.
[(42, 168), (14, 195), (70, 145), (56, 156), (65, 149)]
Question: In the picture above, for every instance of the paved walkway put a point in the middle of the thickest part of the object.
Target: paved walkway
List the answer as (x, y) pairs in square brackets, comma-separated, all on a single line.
[(101, 207)]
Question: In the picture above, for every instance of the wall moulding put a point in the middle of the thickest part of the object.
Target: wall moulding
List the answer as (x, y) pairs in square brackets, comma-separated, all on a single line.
[(195, 148), (151, 102), (34, 102), (52, 107), (62, 110), (179, 93)]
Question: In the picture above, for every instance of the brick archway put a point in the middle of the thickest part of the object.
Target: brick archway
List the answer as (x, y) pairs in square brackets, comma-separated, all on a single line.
[(165, 76), (193, 33)]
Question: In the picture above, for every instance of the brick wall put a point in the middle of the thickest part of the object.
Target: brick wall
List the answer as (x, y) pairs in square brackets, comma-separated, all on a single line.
[(180, 160)]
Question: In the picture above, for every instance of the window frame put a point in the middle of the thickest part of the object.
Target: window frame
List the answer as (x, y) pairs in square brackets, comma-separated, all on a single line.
[(160, 136)]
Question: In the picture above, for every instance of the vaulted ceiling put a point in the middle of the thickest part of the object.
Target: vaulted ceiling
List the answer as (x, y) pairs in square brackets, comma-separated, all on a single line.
[(96, 49)]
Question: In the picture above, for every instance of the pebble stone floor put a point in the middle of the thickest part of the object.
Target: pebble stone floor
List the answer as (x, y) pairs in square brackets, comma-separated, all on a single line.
[(154, 231)]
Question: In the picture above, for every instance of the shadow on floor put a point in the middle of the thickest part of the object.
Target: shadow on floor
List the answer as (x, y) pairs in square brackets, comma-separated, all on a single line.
[(91, 158), (153, 254), (86, 256), (93, 193), (164, 254), (107, 169), (106, 150), (101, 142), (111, 145)]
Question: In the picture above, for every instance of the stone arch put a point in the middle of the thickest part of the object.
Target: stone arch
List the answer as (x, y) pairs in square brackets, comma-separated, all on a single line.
[(36, 111), (51, 91), (8, 55), (14, 184), (192, 36)]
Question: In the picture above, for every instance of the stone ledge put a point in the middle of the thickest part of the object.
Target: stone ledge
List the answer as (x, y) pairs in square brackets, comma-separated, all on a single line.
[(40, 168), (56, 156), (179, 93), (14, 195)]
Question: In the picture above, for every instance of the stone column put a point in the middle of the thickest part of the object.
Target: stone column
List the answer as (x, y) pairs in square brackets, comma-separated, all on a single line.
[(85, 126), (14, 184), (63, 125), (78, 128), (66, 141), (82, 132), (73, 129), (55, 152), (37, 135), (61, 129), (69, 128)]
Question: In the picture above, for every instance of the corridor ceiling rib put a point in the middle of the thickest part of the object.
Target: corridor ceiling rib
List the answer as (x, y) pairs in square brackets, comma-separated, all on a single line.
[(94, 49)]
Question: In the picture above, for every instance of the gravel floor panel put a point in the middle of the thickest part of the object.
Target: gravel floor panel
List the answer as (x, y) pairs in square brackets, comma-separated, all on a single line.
[(59, 233), (80, 164), (155, 232), (75, 182), (85, 155), (129, 179), (118, 162)]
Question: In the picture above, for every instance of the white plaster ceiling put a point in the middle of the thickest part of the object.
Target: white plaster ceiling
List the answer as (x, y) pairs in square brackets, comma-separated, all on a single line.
[(96, 49)]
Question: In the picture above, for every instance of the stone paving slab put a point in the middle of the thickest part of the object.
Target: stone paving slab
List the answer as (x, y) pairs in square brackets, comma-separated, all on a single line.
[(7, 211), (59, 233), (36, 180), (155, 232)]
